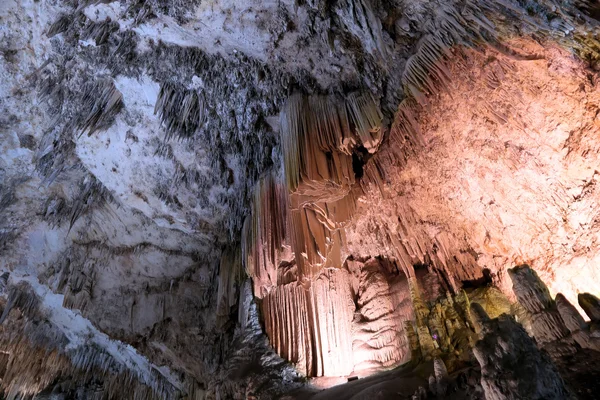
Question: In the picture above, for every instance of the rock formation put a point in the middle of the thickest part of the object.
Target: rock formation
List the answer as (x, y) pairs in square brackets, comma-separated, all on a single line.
[(591, 305), (556, 324), (345, 321), (512, 367), (222, 200), (548, 327), (579, 329)]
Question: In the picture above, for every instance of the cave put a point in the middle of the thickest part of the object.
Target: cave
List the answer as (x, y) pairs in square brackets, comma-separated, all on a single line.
[(354, 199)]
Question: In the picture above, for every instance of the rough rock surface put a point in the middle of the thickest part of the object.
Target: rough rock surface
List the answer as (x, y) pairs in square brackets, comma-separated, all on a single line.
[(350, 320), (358, 159), (575, 323), (512, 367), (560, 330), (591, 305)]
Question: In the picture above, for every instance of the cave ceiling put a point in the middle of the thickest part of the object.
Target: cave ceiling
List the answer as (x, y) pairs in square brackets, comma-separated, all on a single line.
[(223, 199)]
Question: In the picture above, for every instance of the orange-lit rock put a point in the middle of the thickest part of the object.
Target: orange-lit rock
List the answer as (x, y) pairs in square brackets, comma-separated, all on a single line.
[(495, 171), (347, 320), (507, 173)]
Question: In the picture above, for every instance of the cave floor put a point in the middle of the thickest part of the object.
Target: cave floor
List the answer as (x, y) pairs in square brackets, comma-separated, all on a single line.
[(400, 382)]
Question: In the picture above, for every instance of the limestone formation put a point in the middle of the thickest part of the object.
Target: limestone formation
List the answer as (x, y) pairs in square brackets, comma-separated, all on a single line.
[(44, 355), (441, 377), (345, 321), (248, 200), (512, 367), (548, 327), (591, 305), (576, 324)]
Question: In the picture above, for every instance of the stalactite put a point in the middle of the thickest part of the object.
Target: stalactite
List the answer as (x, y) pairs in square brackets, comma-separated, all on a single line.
[(317, 141), (99, 31), (264, 233), (79, 289), (230, 277), (316, 326), (367, 120), (92, 194), (60, 25), (100, 104), (42, 355), (182, 111), (313, 231)]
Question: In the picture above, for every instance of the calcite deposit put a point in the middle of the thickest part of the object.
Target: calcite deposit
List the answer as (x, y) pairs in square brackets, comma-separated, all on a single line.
[(214, 199)]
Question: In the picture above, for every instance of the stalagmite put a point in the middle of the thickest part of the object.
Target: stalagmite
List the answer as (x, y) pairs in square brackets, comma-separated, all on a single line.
[(420, 394), (548, 326), (441, 377), (512, 367), (479, 318), (591, 305), (576, 324), (426, 342)]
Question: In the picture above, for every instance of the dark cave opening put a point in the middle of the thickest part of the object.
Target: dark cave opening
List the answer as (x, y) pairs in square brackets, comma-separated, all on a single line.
[(485, 280), (360, 155)]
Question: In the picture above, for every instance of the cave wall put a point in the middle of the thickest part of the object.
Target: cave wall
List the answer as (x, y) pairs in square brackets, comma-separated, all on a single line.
[(512, 181), (137, 138), (507, 170)]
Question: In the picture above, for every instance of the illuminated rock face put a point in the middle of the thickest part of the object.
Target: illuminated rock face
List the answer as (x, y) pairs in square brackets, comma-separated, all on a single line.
[(526, 372), (509, 148), (346, 320), (506, 174), (421, 149)]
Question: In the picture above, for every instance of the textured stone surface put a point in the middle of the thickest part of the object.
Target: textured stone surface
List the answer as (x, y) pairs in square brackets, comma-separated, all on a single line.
[(141, 153), (512, 367), (576, 324), (591, 305), (344, 322)]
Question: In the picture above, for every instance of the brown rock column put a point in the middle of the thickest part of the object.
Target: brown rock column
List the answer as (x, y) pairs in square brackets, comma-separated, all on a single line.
[(547, 325), (576, 324), (591, 305), (512, 367)]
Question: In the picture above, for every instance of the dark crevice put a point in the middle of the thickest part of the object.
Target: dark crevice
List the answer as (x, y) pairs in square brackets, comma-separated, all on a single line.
[(485, 280), (360, 155)]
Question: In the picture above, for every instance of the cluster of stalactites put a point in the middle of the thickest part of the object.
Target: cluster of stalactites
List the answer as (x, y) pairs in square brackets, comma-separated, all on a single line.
[(307, 209), (36, 355), (100, 104), (450, 31), (308, 237), (264, 232), (182, 111), (318, 136), (311, 327)]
